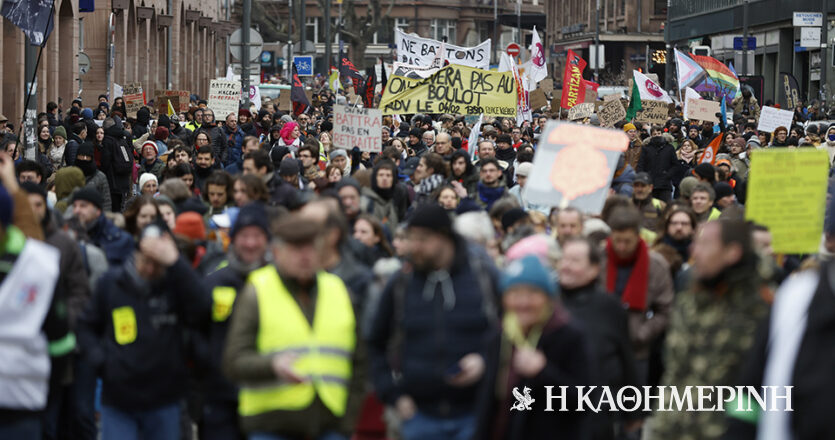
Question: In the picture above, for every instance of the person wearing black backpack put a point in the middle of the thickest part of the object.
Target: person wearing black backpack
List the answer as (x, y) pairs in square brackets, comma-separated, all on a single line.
[(117, 161)]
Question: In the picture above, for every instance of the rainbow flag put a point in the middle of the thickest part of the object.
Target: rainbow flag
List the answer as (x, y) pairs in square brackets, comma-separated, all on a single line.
[(725, 79)]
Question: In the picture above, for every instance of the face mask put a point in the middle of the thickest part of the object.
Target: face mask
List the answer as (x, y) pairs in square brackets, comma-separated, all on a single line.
[(831, 137), (88, 167)]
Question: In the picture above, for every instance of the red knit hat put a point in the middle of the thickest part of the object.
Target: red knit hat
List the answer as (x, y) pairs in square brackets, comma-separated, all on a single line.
[(149, 144), (161, 134), (190, 224)]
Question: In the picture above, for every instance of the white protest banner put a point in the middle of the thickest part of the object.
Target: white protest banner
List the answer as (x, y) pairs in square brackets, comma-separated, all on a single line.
[(224, 97), (413, 72), (419, 51), (357, 127), (556, 180), (771, 118), (581, 111), (702, 110)]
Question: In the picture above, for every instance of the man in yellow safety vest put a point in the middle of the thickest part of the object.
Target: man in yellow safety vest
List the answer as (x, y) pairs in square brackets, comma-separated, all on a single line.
[(292, 344)]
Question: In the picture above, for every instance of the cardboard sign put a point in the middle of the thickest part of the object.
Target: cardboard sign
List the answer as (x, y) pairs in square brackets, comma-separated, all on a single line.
[(418, 51), (454, 89), (702, 110), (547, 85), (787, 193), (538, 99), (654, 112), (284, 102), (771, 118), (224, 97), (179, 101), (134, 98), (357, 127), (611, 97), (581, 111), (610, 112), (556, 178)]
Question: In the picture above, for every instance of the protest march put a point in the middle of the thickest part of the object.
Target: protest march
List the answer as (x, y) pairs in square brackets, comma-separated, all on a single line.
[(452, 242)]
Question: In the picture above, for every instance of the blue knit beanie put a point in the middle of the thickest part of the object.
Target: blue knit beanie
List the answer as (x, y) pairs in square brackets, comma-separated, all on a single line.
[(530, 271)]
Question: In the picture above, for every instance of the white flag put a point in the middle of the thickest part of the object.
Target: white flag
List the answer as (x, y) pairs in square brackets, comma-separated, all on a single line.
[(230, 75), (650, 91), (538, 69), (688, 95)]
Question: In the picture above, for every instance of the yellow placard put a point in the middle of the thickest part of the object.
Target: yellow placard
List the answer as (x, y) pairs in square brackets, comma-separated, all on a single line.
[(454, 89), (124, 325), (223, 298), (787, 193)]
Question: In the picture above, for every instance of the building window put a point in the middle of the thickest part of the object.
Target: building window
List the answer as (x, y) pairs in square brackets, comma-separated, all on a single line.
[(311, 29), (660, 7), (443, 28), (402, 24)]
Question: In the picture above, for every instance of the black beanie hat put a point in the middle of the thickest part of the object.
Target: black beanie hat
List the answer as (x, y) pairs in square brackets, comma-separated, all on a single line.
[(512, 216), (85, 149), (417, 132), (89, 195), (723, 189), (705, 171), (431, 216), (252, 214)]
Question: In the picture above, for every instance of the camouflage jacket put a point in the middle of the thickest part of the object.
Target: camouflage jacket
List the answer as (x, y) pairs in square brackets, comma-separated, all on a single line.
[(710, 334)]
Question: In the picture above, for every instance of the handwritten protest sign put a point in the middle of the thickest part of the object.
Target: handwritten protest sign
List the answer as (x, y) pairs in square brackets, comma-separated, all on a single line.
[(547, 85), (610, 112), (418, 51), (654, 112), (284, 102), (556, 180), (178, 98), (702, 110), (771, 118), (134, 98), (224, 97), (581, 111), (454, 89), (611, 97), (787, 193), (357, 127)]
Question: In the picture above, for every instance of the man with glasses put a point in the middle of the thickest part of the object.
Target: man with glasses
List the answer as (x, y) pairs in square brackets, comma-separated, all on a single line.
[(443, 145)]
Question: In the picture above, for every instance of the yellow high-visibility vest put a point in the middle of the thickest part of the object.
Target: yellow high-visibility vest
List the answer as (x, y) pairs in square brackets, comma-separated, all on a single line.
[(324, 351)]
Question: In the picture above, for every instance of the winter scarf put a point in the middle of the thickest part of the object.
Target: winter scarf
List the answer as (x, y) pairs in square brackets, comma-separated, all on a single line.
[(489, 195), (508, 155), (687, 157), (429, 184), (635, 292)]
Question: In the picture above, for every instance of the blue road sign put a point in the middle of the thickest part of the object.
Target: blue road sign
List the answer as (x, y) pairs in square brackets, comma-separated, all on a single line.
[(752, 43), (304, 65)]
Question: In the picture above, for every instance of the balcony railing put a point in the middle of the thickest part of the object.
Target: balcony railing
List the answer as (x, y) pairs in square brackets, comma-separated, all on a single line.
[(681, 8)]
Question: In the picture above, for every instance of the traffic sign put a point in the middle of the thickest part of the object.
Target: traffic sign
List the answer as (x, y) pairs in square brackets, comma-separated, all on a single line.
[(513, 49), (83, 63), (752, 43), (304, 65), (256, 44)]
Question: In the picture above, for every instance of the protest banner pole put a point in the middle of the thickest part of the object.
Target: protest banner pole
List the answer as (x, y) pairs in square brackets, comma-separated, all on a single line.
[(30, 108)]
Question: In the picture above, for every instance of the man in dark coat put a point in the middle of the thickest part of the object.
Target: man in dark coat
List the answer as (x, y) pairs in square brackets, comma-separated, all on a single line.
[(117, 161), (658, 158)]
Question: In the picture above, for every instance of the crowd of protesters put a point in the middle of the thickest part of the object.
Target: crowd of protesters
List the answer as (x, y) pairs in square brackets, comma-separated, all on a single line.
[(230, 276)]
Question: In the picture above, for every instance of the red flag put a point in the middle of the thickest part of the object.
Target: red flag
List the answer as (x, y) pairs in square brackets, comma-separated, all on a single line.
[(348, 70), (573, 89), (590, 85), (709, 155)]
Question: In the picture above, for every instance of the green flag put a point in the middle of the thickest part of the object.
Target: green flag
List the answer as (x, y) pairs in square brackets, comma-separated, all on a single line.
[(635, 101)]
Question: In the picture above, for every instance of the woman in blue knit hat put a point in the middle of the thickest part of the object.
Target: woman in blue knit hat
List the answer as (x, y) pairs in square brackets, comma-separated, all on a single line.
[(539, 345)]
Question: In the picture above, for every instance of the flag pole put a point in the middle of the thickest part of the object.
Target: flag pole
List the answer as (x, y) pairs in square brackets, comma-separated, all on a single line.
[(35, 75)]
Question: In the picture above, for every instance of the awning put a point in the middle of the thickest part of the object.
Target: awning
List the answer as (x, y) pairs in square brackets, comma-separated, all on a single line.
[(527, 21)]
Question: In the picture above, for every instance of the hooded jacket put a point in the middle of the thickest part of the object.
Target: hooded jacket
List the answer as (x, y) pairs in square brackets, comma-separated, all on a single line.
[(117, 157), (389, 205), (143, 119), (469, 180)]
